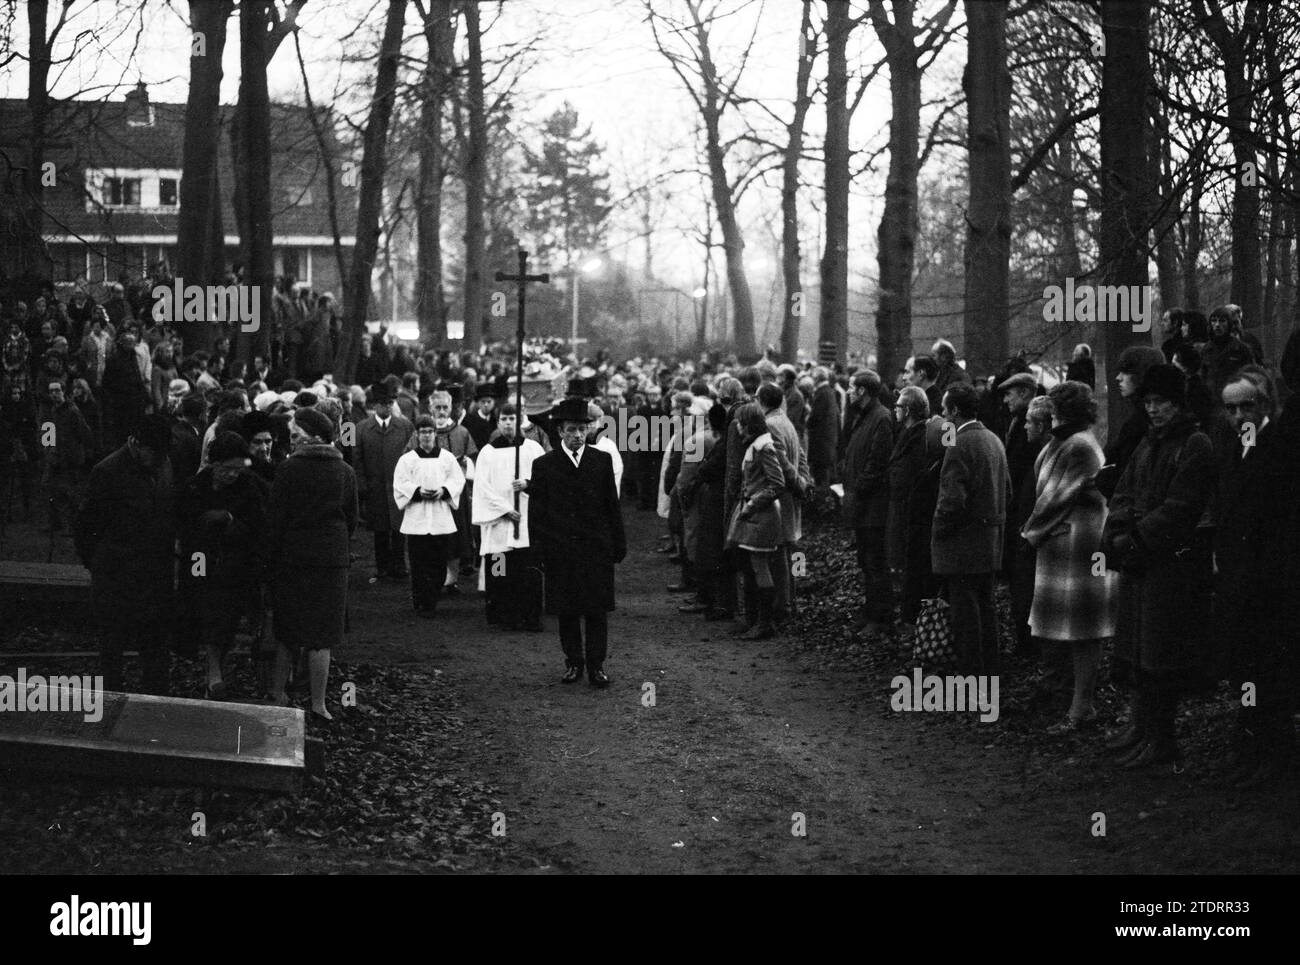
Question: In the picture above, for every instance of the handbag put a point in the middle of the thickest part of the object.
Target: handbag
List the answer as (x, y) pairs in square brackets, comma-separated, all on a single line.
[(933, 647)]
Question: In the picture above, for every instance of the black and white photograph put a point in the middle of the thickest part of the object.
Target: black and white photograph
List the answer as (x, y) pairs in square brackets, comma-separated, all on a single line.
[(651, 437)]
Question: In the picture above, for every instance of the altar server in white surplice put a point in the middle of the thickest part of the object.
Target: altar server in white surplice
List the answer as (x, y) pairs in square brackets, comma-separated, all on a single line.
[(427, 484), (511, 573)]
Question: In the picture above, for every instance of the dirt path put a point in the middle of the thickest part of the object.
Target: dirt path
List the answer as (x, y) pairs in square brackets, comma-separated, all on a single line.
[(741, 737)]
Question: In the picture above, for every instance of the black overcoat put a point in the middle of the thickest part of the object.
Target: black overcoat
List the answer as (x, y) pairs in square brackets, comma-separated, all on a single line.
[(575, 519), (125, 536)]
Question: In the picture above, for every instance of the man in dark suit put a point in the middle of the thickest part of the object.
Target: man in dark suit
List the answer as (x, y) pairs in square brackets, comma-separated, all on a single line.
[(966, 541), (866, 496), (578, 526), (823, 429), (381, 441), (124, 536)]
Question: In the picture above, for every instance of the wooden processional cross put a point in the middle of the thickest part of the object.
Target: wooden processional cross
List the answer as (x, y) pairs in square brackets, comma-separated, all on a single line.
[(522, 279)]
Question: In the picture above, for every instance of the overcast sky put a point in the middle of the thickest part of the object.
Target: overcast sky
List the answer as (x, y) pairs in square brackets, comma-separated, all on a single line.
[(597, 54)]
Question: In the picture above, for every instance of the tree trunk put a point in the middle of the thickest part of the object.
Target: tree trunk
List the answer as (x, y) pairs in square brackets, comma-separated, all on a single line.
[(1169, 198), (200, 251), (794, 296), (475, 184), (733, 243), (1195, 240), (1234, 49), (253, 162), (33, 256), (896, 238), (370, 194), (988, 222), (1124, 223), (431, 306), (834, 325)]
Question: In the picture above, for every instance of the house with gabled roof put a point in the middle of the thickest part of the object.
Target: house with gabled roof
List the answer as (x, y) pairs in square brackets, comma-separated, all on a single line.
[(115, 205)]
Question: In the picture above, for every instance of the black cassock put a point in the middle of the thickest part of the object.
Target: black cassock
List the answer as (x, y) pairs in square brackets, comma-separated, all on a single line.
[(575, 520)]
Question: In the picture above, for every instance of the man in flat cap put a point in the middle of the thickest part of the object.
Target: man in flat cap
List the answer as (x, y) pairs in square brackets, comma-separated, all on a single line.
[(126, 536), (578, 526)]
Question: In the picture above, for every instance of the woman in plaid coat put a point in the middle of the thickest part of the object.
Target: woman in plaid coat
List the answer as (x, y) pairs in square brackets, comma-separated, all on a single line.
[(1073, 593)]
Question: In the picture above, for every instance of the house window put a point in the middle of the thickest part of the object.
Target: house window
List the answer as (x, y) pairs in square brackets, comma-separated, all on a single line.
[(122, 192), (167, 192)]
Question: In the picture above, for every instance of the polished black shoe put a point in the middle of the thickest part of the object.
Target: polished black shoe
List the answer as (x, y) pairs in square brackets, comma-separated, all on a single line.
[(598, 678), (571, 675), (451, 590), (693, 608), (679, 588)]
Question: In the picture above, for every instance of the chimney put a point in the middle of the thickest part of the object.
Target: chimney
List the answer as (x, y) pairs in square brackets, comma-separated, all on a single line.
[(139, 112)]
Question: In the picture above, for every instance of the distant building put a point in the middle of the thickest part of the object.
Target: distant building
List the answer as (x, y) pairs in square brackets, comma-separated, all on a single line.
[(115, 206)]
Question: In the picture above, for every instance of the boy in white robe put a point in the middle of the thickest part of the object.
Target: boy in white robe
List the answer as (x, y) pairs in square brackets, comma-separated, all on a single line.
[(427, 484), (511, 575)]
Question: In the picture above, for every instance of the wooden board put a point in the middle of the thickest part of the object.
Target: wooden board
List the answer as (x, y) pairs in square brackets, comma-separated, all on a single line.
[(163, 740), (44, 582)]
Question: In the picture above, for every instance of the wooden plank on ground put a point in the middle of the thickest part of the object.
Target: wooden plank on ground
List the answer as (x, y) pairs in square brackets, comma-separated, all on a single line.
[(162, 740)]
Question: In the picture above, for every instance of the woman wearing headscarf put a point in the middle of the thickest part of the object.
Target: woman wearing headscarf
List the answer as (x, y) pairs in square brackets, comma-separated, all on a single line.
[(1072, 605), (1151, 537), (755, 525), (313, 516)]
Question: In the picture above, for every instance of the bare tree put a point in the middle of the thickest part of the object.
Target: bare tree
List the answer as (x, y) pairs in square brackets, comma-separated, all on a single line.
[(909, 49), (370, 197), (794, 305), (1125, 171), (439, 35), (713, 95), (987, 83), (200, 235), (475, 174), (1236, 48)]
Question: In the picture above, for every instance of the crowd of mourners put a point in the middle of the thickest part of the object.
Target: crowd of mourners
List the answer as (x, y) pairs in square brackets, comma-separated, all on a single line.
[(205, 493)]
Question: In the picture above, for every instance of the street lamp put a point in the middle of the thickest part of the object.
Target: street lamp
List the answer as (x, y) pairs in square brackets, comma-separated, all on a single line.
[(590, 266)]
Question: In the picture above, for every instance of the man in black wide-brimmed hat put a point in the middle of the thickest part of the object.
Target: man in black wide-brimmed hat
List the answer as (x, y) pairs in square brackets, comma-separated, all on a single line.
[(578, 526)]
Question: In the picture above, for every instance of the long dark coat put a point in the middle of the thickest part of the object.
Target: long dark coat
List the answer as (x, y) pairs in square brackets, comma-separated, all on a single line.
[(236, 553), (125, 536), (313, 509), (972, 507), (866, 464), (312, 516), (906, 463), (1165, 579), (823, 428), (374, 459), (713, 519), (575, 520), (1257, 548)]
